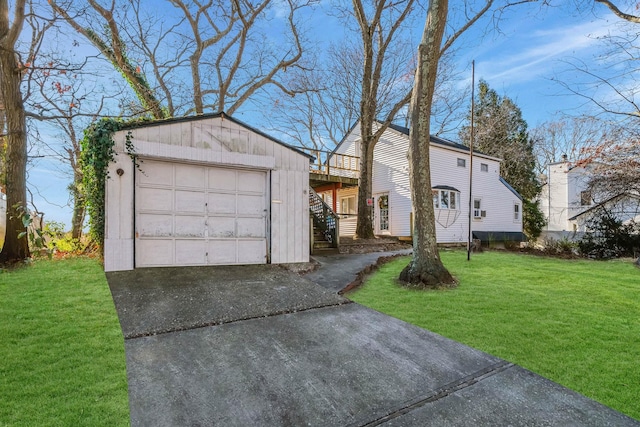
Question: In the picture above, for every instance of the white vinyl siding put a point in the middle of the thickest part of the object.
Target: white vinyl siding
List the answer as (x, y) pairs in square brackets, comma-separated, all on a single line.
[(391, 175), (348, 205)]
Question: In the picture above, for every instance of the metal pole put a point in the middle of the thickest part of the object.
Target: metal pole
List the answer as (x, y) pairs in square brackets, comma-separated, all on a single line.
[(471, 138)]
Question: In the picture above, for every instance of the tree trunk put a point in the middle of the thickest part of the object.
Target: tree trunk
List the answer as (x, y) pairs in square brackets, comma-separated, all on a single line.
[(425, 269), (364, 224), (14, 249), (79, 203)]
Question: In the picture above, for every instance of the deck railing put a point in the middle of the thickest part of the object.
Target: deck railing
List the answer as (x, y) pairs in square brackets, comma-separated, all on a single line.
[(328, 163)]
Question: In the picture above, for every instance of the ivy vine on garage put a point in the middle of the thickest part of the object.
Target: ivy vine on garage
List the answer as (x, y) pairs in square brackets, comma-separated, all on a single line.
[(97, 153)]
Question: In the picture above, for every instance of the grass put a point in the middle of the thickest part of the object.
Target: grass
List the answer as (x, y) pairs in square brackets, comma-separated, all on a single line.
[(62, 355), (576, 322)]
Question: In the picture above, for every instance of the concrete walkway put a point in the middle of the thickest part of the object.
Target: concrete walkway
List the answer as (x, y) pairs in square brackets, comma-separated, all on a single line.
[(261, 346), (337, 271)]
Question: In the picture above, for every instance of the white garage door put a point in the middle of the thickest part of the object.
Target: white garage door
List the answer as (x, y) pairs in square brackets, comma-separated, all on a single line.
[(199, 215)]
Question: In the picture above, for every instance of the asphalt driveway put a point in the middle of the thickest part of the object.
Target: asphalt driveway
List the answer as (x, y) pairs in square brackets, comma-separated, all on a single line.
[(261, 346)]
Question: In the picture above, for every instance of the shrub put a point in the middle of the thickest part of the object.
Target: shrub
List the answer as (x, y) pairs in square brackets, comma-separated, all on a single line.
[(511, 245), (563, 246), (608, 237)]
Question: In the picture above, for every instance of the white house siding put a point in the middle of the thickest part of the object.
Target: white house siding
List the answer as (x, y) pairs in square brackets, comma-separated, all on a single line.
[(347, 222), (626, 208), (211, 141), (554, 198), (560, 196), (391, 174), (560, 202)]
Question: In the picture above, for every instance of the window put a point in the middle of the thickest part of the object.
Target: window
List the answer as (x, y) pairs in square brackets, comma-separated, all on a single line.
[(445, 199), (383, 206), (348, 205), (585, 198), (484, 167), (477, 204), (516, 212), (462, 163)]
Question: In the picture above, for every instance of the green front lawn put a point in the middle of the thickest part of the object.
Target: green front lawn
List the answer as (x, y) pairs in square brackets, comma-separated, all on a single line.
[(576, 322), (62, 353)]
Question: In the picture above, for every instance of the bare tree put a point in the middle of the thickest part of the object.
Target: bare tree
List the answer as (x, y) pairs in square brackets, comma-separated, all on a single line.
[(608, 142), (570, 137), (609, 81), (12, 68), (614, 163), (223, 47), (426, 268), (112, 45), (379, 24), (65, 103)]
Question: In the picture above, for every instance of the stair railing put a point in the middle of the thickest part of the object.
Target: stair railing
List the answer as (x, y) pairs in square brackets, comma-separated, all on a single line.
[(324, 219)]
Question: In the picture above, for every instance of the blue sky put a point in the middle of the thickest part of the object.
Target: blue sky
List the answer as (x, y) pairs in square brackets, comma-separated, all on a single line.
[(519, 62)]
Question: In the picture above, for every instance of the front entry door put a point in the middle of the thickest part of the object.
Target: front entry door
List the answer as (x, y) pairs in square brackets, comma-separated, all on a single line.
[(382, 213)]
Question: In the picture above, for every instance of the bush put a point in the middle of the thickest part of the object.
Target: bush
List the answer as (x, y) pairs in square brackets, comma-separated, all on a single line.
[(510, 245), (608, 237), (562, 246)]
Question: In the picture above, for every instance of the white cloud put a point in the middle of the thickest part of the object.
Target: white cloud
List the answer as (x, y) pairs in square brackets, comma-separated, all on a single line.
[(526, 57)]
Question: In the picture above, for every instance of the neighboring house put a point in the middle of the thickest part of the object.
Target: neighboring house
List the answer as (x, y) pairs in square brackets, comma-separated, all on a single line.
[(208, 190), (567, 203), (497, 207)]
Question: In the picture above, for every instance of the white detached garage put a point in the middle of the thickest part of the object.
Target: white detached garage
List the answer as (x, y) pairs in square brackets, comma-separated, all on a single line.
[(208, 190)]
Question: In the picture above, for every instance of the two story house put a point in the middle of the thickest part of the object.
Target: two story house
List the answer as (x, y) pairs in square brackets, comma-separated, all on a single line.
[(496, 206), (568, 204)]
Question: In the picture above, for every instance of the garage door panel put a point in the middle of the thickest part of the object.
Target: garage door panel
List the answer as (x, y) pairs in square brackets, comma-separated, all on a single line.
[(155, 225), (222, 251), (156, 173), (252, 252), (198, 215), (222, 179), (155, 199), (189, 226), (251, 204), (222, 227), (154, 252), (190, 201), (221, 203), (191, 252), (190, 176), (251, 181), (250, 227)]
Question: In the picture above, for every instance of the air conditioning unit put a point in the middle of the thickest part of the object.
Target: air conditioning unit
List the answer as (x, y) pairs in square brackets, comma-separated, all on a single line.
[(483, 214)]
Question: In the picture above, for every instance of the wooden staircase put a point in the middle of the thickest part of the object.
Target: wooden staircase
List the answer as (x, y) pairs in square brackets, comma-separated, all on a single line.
[(325, 233)]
